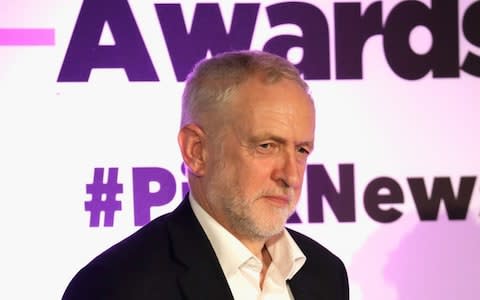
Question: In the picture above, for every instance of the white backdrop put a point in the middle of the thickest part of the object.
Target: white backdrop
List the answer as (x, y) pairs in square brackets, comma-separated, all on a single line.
[(54, 134)]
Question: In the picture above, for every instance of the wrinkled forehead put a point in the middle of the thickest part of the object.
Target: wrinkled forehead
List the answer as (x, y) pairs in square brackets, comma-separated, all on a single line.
[(284, 101), (257, 89)]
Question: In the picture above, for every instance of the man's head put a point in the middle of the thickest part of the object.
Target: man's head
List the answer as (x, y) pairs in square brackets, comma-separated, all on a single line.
[(246, 131), (209, 86)]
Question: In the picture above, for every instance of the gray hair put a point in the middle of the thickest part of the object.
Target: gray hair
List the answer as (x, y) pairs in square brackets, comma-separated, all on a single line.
[(213, 80)]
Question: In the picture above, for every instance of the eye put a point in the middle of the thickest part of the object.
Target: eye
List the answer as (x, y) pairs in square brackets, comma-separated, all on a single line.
[(303, 150), (265, 147)]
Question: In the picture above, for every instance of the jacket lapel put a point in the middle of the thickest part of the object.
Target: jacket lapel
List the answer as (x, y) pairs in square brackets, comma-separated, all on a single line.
[(302, 289), (203, 277)]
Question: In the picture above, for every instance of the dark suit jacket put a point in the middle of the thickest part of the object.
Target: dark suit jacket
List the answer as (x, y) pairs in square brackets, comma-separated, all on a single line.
[(172, 258)]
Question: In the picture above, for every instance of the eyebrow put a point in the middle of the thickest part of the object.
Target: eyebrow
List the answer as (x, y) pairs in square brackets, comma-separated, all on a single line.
[(280, 140)]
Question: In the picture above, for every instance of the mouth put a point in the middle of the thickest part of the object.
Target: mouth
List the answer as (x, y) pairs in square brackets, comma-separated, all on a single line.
[(278, 200)]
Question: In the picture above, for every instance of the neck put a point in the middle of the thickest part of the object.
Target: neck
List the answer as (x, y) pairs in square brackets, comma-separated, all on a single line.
[(257, 246), (259, 249), (266, 260)]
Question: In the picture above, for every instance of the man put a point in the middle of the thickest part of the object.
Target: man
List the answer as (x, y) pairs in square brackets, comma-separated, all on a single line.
[(247, 129)]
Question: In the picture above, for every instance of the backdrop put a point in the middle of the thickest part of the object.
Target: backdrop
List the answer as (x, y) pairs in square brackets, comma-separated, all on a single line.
[(89, 112)]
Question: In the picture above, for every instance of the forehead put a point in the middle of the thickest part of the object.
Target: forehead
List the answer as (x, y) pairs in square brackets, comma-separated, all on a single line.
[(283, 107)]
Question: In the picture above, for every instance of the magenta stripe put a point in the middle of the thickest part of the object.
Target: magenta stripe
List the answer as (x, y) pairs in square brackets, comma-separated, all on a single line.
[(27, 36)]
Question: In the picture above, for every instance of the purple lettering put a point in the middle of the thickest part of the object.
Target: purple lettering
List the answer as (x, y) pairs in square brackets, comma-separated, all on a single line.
[(207, 32), (471, 65), (143, 198), (320, 186), (382, 190), (352, 30), (442, 22), (84, 52), (427, 207), (315, 63)]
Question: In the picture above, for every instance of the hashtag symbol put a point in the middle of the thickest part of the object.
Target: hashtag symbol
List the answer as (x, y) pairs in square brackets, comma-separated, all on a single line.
[(98, 203)]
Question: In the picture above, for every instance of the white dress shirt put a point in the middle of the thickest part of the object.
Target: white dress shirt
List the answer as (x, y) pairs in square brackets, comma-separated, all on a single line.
[(242, 268)]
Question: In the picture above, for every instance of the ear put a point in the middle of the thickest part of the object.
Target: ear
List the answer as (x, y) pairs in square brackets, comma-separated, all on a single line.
[(191, 139)]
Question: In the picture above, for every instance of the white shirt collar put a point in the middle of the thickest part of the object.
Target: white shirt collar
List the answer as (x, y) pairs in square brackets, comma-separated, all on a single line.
[(232, 254)]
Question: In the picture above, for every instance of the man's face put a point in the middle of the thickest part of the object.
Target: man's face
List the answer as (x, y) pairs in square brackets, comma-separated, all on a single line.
[(255, 171)]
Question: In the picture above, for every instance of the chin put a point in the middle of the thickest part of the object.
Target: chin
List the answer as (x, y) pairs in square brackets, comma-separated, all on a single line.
[(272, 229)]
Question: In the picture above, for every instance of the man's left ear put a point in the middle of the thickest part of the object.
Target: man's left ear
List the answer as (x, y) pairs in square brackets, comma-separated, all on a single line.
[(191, 139)]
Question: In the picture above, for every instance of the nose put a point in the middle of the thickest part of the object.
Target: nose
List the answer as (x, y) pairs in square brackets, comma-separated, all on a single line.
[(288, 171)]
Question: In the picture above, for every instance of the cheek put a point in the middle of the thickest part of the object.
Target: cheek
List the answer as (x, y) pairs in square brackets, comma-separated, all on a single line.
[(250, 185), (302, 176), (253, 175), (254, 168), (301, 170)]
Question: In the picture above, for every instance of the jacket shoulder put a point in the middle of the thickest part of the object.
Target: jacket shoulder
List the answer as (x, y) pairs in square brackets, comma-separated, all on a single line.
[(323, 276), (312, 249), (128, 269)]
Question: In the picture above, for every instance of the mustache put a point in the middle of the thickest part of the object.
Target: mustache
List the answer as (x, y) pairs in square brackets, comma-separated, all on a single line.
[(286, 193)]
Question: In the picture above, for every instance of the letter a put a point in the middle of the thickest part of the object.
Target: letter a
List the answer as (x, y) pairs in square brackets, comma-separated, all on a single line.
[(84, 52)]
